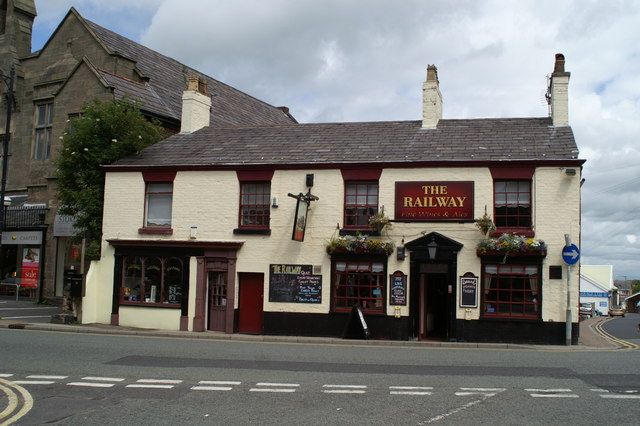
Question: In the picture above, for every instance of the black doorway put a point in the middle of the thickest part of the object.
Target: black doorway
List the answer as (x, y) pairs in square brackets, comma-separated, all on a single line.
[(435, 312)]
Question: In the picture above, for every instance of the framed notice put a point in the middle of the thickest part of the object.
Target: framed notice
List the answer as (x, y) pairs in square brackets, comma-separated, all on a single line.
[(468, 291), (434, 201), (398, 294), (294, 284)]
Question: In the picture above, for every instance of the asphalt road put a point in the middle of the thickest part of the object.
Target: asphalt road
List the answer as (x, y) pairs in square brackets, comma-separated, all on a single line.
[(627, 327), (94, 379)]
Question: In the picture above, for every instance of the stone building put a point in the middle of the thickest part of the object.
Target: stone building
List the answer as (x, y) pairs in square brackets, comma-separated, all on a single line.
[(285, 229), (80, 62)]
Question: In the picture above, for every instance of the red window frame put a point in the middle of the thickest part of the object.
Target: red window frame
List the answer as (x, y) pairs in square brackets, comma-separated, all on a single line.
[(255, 205), (361, 282), (511, 291), (358, 205), (512, 204)]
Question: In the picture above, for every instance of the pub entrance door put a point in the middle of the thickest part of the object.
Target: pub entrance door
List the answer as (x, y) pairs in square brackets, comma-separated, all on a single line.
[(434, 310), (250, 303), (217, 284)]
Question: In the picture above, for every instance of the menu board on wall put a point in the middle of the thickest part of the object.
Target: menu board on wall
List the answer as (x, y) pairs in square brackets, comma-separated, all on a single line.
[(294, 284), (468, 291), (398, 289)]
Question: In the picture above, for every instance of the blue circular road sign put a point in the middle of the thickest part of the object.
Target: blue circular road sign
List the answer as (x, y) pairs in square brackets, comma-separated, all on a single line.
[(571, 254)]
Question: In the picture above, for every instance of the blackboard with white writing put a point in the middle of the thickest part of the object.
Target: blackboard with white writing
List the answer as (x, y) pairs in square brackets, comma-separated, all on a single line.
[(468, 291), (294, 284), (398, 289)]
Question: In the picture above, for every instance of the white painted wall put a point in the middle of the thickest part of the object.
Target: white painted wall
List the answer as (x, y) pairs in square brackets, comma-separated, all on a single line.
[(210, 201)]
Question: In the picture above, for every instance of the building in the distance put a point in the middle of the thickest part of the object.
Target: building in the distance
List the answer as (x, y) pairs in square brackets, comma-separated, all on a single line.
[(80, 62), (266, 229), (596, 287)]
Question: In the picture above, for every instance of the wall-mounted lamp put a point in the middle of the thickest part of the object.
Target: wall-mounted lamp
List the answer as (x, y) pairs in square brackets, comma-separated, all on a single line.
[(274, 203), (570, 172), (309, 180), (193, 232), (400, 253), (432, 248)]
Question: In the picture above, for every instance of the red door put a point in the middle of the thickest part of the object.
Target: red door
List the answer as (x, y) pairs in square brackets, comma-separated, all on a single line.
[(250, 303)]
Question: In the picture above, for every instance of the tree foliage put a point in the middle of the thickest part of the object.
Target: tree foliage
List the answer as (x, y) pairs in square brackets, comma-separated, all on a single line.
[(104, 133)]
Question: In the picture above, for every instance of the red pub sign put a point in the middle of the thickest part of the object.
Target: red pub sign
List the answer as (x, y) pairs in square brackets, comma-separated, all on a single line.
[(434, 201)]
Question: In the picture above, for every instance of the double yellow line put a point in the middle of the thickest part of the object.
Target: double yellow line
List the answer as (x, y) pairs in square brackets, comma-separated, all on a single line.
[(620, 342), (20, 402)]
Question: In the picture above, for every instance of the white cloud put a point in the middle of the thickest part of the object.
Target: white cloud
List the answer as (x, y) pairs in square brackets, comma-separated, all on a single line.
[(348, 60)]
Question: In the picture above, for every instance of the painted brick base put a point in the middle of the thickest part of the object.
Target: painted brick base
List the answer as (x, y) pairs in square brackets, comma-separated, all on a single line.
[(504, 331)]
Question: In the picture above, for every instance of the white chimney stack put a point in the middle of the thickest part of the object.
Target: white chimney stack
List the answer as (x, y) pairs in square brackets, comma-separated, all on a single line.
[(431, 99), (196, 106), (559, 93)]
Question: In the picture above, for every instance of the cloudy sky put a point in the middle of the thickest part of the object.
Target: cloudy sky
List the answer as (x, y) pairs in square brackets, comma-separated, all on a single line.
[(348, 60)]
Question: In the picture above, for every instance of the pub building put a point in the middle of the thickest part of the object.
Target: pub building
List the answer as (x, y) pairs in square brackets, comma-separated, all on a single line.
[(445, 229)]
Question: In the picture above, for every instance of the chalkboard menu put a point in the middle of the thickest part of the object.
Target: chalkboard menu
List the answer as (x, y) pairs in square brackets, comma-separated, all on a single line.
[(468, 291), (294, 284), (398, 289)]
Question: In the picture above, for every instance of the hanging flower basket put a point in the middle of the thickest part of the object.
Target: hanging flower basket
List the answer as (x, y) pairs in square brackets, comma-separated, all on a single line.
[(379, 221), (511, 245), (359, 244)]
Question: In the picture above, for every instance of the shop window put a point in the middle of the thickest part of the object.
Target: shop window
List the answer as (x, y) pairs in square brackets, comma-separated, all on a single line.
[(43, 130), (512, 199), (149, 280), (358, 283), (255, 205), (159, 197), (360, 203), (511, 291)]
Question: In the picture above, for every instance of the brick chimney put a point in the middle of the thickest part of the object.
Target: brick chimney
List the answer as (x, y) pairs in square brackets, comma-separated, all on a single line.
[(196, 105), (559, 93), (431, 99)]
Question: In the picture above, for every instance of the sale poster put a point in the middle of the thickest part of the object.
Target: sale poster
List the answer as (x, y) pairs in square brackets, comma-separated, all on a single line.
[(30, 268)]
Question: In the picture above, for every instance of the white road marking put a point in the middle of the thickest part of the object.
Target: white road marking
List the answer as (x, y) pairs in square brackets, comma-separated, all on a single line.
[(411, 387), (212, 388), (150, 386), (103, 379), (343, 391), (278, 384), (218, 382), (555, 395), (33, 382), (276, 390), (47, 377), (163, 381), (598, 390), (548, 390), (620, 396), (91, 385), (6, 375), (631, 391), (409, 393), (345, 386), (484, 389), (474, 393)]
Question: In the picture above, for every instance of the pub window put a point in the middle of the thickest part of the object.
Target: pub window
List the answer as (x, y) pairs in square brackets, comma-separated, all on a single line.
[(359, 283), (360, 203), (151, 280), (158, 201), (255, 205), (512, 199), (43, 130), (511, 291)]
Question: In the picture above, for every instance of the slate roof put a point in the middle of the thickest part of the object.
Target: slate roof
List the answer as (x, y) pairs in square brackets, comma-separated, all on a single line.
[(511, 139), (167, 80)]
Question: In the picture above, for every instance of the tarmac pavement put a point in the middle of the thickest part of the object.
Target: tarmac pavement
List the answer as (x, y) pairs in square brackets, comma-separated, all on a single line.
[(25, 314)]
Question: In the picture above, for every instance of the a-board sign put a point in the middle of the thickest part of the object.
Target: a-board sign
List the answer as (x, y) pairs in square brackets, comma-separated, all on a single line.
[(398, 291), (294, 284), (468, 291)]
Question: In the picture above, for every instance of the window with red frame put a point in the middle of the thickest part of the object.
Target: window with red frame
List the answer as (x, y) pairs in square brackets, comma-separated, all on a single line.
[(359, 283), (512, 203), (152, 280), (255, 207), (511, 291), (360, 203)]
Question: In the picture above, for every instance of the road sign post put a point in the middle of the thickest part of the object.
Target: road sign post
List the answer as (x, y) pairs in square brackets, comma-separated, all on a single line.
[(570, 255)]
